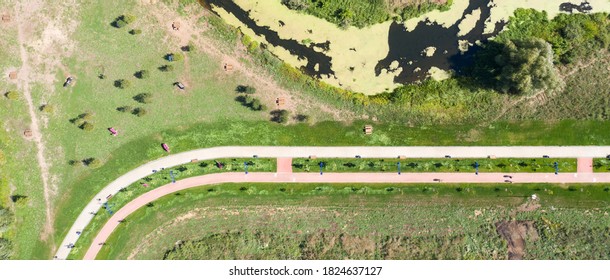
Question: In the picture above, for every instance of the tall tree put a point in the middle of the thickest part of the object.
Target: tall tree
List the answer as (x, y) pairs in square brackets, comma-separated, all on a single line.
[(526, 66)]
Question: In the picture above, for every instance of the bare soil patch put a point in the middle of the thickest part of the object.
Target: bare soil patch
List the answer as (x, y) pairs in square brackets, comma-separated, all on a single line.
[(516, 233)]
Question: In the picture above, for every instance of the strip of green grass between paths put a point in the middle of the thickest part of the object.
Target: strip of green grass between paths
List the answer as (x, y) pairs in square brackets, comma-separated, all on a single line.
[(433, 165), (148, 148), (601, 165), (462, 195)]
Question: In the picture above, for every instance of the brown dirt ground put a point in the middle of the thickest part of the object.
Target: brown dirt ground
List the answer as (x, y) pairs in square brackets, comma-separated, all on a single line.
[(516, 233)]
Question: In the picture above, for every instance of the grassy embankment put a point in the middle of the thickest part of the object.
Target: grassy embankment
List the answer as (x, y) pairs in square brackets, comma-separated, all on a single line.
[(362, 221)]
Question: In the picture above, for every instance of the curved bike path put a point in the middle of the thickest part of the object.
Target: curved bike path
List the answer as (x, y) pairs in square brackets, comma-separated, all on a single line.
[(266, 177), (324, 152)]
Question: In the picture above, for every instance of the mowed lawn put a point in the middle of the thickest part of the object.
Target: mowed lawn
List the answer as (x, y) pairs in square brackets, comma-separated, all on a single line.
[(300, 221)]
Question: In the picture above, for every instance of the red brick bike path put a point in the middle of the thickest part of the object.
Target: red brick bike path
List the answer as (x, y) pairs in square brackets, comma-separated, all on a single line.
[(584, 165), (265, 177)]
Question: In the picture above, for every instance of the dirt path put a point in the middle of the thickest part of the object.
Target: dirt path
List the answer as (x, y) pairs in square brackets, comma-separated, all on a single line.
[(24, 82)]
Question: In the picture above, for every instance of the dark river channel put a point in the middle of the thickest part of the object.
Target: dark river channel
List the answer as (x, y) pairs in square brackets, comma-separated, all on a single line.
[(405, 47)]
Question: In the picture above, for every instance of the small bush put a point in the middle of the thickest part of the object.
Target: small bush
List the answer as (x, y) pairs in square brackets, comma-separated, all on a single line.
[(188, 48), (86, 116), (86, 126), (280, 116), (119, 23), (166, 68), (122, 83), (124, 109), (128, 18), (19, 199), (12, 95), (142, 74), (135, 31), (47, 108), (139, 112), (144, 98), (301, 118), (256, 105), (178, 56), (245, 89), (174, 57), (92, 162)]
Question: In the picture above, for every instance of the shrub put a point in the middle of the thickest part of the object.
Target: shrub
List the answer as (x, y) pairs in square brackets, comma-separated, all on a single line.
[(256, 105), (122, 83), (280, 116), (128, 18), (12, 95), (119, 23), (301, 118), (135, 31), (142, 74), (19, 199), (188, 48), (92, 162), (144, 98), (139, 112), (166, 68), (86, 126), (86, 116), (47, 108), (124, 109), (177, 57)]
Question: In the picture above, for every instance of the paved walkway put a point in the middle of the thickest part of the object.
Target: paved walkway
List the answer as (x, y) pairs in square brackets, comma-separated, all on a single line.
[(337, 152), (152, 195), (284, 165), (584, 165)]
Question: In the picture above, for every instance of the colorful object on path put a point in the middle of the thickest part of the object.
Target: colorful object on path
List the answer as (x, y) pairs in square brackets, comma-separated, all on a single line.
[(165, 147), (113, 131)]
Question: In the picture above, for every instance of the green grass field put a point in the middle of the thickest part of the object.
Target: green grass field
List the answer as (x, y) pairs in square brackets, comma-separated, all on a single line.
[(262, 221), (16, 156), (206, 115), (433, 165)]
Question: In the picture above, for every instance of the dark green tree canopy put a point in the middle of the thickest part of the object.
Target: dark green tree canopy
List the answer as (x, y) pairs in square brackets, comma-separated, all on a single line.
[(526, 66)]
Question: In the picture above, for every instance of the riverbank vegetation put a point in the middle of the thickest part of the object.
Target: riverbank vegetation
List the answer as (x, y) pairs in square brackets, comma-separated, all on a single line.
[(362, 13)]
